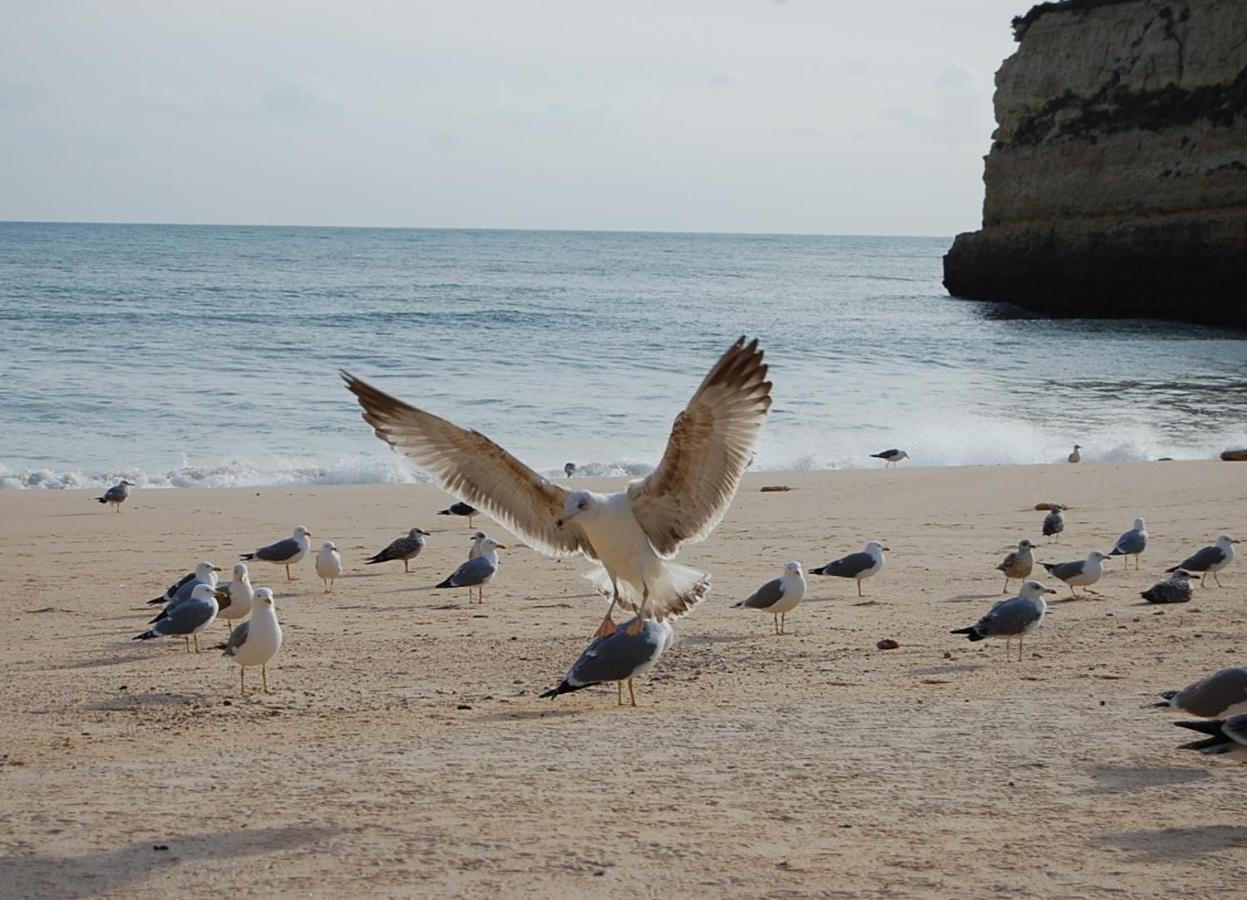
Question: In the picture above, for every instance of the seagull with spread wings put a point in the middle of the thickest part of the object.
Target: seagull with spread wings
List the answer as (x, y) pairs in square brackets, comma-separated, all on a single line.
[(635, 533)]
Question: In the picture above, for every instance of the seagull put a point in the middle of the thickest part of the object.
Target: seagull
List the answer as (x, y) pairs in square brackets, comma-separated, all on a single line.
[(1080, 572), (1228, 737), (779, 596), (235, 598), (476, 572), (405, 548), (117, 494), (285, 552), (1054, 521), (619, 655), (1221, 694), (569, 469), (1018, 563), (328, 564), (255, 642), (186, 619), (478, 540), (860, 565), (456, 509), (1075, 456), (1210, 560), (181, 589), (634, 534), (1132, 543), (1174, 589), (890, 457), (1013, 618)]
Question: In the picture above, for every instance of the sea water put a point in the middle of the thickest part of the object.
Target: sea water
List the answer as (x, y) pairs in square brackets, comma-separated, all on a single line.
[(200, 355)]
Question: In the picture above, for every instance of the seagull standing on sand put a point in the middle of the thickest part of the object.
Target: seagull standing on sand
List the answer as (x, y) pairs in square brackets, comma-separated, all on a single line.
[(117, 494), (1226, 737), (455, 509), (1131, 543), (618, 655), (186, 619), (1210, 560), (1218, 696), (1174, 589), (633, 534), (1012, 618), (205, 573), (890, 457), (235, 598), (1054, 521), (476, 572), (779, 596), (328, 564), (1018, 563), (860, 566), (1075, 456), (284, 553), (405, 548), (256, 641), (569, 469), (478, 540), (1080, 572)]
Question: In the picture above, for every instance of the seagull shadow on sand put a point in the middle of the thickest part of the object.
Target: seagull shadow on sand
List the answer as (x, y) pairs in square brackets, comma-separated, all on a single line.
[(1112, 779), (122, 869), (966, 598), (1164, 845)]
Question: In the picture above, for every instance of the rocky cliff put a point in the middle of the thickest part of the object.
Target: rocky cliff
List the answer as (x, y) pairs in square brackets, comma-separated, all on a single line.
[(1117, 178)]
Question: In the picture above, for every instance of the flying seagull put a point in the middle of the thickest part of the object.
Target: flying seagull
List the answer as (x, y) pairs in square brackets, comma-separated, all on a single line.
[(1054, 521), (1210, 560), (1075, 456), (186, 619), (890, 457), (1174, 589), (256, 641), (117, 494), (619, 656), (861, 565), (1013, 618), (1131, 543), (1080, 572), (779, 596), (328, 564), (1018, 563), (477, 571), (1221, 694), (286, 552), (455, 509), (405, 548), (634, 534), (1226, 737)]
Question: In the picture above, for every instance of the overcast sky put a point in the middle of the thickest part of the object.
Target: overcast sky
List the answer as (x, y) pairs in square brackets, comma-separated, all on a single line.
[(814, 116)]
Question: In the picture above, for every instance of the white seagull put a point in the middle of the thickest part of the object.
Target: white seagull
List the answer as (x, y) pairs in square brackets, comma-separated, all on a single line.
[(185, 619), (285, 552), (862, 564), (117, 494), (1013, 618), (890, 457), (328, 564), (256, 641), (235, 598), (478, 540), (634, 534), (1079, 572), (779, 596), (1210, 560)]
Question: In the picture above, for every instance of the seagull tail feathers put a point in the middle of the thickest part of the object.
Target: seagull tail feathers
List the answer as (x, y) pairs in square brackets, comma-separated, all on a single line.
[(145, 636), (102, 499), (563, 688), (676, 591), (972, 632), (448, 583), (821, 570), (246, 556), (160, 616), (163, 598)]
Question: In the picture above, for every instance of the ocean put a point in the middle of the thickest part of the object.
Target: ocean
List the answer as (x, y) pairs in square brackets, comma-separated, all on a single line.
[(183, 356)]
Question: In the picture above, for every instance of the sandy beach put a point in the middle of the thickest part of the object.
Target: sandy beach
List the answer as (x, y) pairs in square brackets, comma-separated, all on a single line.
[(405, 752)]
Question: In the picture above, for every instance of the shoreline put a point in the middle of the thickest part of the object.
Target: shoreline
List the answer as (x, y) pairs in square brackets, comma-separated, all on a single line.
[(405, 750)]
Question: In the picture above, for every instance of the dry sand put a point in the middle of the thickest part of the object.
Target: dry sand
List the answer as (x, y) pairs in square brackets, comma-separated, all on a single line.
[(405, 752)]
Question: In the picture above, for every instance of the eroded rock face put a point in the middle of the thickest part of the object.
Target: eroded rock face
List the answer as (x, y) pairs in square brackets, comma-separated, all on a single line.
[(1117, 180)]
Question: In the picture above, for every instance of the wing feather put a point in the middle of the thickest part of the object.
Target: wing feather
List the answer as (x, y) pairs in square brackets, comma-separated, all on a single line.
[(685, 497), (469, 465)]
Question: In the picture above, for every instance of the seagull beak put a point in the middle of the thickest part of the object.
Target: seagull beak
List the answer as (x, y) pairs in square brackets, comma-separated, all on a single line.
[(217, 569), (501, 546), (888, 549), (1049, 590)]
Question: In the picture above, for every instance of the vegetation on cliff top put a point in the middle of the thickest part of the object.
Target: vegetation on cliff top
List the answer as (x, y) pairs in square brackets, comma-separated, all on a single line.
[(1021, 23)]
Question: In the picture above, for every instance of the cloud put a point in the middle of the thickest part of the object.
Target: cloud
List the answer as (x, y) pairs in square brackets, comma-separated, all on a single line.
[(303, 98), (730, 78), (16, 93)]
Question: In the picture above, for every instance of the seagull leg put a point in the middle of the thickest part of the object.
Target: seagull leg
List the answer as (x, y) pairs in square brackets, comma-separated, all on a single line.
[(1005, 590), (607, 627), (1019, 648), (242, 680), (289, 577), (619, 693), (639, 622), (264, 678), (1008, 644), (406, 568), (195, 638), (631, 692), (859, 587), (188, 642), (1216, 579)]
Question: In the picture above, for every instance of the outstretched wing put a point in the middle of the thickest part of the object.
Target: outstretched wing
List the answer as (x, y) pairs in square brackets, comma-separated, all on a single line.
[(469, 465), (709, 448)]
